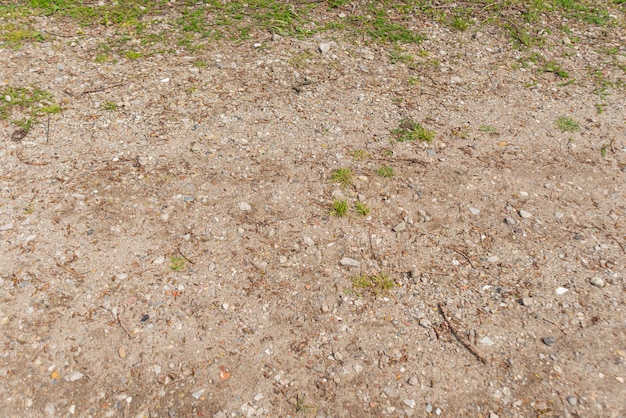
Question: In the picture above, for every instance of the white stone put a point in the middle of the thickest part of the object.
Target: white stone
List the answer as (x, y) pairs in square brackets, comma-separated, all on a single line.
[(349, 262), (245, 206)]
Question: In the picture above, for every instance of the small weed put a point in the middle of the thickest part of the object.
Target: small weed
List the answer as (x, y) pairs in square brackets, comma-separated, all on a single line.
[(487, 129), (553, 67), (460, 23), (566, 124), (360, 154), (28, 210), (376, 284), (133, 55), (339, 208), (342, 176), (303, 407), (50, 110), (600, 108), (386, 171), (109, 106), (603, 150), (413, 81), (200, 64), (100, 58), (177, 263), (410, 130), (396, 56), (361, 208)]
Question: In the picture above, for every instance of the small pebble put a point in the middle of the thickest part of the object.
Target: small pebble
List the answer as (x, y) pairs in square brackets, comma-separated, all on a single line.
[(122, 352), (429, 408), (549, 341), (493, 259), (400, 227), (245, 206), (425, 323), (357, 368), (197, 394), (6, 227), (486, 341), (509, 221), (225, 306), (324, 48), (74, 376), (493, 415), (561, 290), (524, 214), (308, 240), (572, 400), (474, 211), (527, 301), (597, 281), (410, 403), (349, 262), (558, 215), (438, 411), (413, 381)]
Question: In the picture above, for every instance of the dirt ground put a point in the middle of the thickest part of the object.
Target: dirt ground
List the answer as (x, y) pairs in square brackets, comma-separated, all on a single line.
[(168, 246)]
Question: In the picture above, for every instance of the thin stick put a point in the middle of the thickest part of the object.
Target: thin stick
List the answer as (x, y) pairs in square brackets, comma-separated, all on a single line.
[(552, 322), (460, 339), (618, 243), (48, 129), (119, 321), (69, 270), (464, 255), (25, 161)]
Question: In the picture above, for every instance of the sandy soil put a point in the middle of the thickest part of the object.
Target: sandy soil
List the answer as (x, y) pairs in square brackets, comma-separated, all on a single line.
[(168, 247)]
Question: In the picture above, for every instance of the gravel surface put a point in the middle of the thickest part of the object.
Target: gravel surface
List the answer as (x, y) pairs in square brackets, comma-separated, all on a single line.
[(177, 255)]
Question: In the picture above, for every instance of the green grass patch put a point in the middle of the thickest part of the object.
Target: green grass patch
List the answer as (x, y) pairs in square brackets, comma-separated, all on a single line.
[(567, 124), (361, 208), (374, 284), (339, 208), (108, 106), (177, 263), (342, 176), (409, 130), (386, 171)]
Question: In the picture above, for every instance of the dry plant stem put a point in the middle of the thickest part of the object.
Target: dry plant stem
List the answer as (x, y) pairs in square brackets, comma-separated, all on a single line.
[(119, 321), (69, 270), (464, 255), (460, 339), (552, 322), (20, 157), (618, 243)]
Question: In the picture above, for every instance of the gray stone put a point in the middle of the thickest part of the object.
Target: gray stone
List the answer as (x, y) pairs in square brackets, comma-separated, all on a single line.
[(486, 341), (475, 211), (349, 262), (400, 227), (509, 221), (527, 301), (413, 381), (549, 341), (572, 400), (524, 214), (245, 206), (597, 281), (324, 48), (74, 376), (410, 403)]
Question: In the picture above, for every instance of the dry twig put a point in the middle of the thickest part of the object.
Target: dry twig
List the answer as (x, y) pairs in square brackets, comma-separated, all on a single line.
[(460, 339)]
